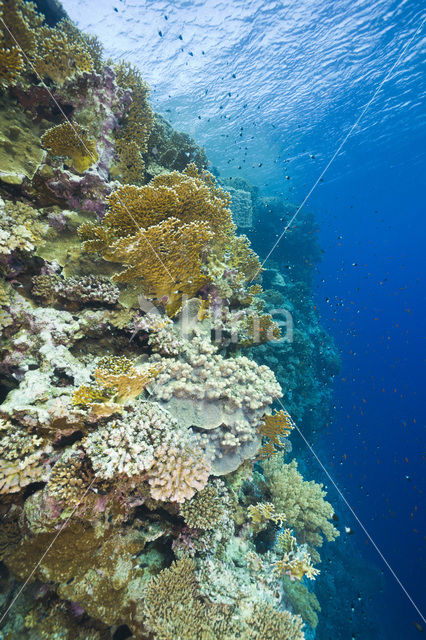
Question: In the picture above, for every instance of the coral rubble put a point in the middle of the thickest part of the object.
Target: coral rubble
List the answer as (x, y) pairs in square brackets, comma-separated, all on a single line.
[(135, 422)]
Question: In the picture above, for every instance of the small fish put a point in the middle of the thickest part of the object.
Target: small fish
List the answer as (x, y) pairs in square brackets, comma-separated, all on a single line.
[(349, 531), (418, 627)]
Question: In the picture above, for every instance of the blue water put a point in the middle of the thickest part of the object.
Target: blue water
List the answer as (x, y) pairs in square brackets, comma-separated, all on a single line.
[(272, 89)]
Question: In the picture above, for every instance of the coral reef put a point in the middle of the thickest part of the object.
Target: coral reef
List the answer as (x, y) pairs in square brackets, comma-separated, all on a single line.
[(302, 502), (70, 140), (135, 127), (139, 432), (169, 150)]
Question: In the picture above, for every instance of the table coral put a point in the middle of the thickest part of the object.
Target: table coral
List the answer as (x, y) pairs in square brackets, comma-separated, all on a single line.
[(69, 139)]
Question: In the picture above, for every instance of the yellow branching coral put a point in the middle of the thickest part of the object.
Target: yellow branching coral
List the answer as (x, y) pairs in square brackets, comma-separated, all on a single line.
[(190, 198), (117, 381), (70, 139), (296, 561), (59, 57), (118, 373), (132, 138), (22, 26), (87, 395), (307, 512), (57, 53), (160, 231), (165, 257), (274, 427), (11, 66), (243, 258), (262, 513)]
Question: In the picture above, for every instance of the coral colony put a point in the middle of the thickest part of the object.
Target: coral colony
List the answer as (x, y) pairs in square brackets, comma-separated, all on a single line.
[(137, 413)]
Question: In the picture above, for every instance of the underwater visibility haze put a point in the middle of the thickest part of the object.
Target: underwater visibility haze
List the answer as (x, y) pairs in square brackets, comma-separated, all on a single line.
[(212, 304)]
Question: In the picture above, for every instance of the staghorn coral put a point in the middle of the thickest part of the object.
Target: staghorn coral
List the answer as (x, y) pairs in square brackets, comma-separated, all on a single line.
[(207, 508), (174, 608), (70, 478), (303, 502), (147, 442), (11, 66), (69, 139), (178, 472)]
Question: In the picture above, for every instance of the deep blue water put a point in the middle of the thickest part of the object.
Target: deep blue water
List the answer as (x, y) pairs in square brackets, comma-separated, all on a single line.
[(271, 89)]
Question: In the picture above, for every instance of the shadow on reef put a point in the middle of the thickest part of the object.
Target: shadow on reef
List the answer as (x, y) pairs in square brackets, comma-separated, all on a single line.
[(140, 357)]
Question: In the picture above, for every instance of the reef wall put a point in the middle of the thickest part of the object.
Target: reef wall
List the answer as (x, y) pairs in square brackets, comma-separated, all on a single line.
[(143, 491)]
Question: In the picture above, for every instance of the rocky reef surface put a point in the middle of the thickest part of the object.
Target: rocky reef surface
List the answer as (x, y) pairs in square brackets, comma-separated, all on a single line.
[(143, 488)]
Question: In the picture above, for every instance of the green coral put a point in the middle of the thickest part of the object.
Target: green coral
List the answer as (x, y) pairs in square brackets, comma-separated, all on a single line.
[(303, 503), (304, 602)]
